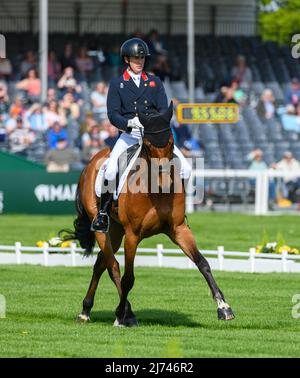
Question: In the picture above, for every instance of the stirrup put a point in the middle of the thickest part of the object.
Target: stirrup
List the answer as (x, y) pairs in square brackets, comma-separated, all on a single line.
[(101, 226)]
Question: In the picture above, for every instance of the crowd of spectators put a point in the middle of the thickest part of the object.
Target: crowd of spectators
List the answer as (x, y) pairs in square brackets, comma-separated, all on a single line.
[(67, 120), (73, 127)]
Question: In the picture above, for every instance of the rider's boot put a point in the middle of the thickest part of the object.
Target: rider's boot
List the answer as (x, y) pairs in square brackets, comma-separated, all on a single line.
[(101, 221)]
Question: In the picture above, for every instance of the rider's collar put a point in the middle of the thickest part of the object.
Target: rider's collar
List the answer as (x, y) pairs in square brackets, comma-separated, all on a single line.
[(127, 74)]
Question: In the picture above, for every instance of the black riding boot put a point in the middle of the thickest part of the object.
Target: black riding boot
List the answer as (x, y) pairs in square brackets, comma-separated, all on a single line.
[(101, 221)]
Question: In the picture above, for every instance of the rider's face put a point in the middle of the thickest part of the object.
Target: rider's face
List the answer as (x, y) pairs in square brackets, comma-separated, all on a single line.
[(136, 64)]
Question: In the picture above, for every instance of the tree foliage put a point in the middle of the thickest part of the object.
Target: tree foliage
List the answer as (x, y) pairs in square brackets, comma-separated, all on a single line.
[(280, 25)]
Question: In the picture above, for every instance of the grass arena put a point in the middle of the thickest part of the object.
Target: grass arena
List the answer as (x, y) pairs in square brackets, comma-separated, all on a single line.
[(176, 315)]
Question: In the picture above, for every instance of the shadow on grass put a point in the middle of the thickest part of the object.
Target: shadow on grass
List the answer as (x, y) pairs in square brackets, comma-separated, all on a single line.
[(149, 317)]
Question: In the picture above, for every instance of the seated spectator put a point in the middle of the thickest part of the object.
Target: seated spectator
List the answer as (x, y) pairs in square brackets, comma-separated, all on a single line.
[(54, 68), (61, 157), (161, 67), (191, 148), (3, 135), (257, 164), (68, 58), (4, 99), (92, 133), (290, 184), (68, 84), (94, 146), (28, 63), (55, 133), (54, 113), (98, 99), (84, 64), (156, 44), (20, 138), (51, 95), (70, 109), (266, 108), (242, 73), (114, 60), (290, 121), (227, 93), (5, 69), (292, 96), (88, 123), (11, 122), (31, 86), (17, 107), (109, 133), (35, 119)]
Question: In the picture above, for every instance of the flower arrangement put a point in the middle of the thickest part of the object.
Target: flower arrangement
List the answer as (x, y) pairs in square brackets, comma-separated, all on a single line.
[(54, 242), (279, 246)]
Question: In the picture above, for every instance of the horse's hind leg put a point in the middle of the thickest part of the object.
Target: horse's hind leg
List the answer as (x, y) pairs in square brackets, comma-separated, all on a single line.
[(88, 302), (183, 236), (105, 260)]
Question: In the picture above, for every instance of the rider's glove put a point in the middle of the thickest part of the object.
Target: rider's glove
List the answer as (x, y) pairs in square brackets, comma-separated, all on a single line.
[(135, 123)]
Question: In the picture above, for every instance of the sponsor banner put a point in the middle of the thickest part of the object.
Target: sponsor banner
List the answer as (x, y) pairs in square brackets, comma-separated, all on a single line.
[(38, 192)]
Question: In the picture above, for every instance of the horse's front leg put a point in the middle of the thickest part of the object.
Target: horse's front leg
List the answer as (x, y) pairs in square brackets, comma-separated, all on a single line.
[(124, 314), (183, 236)]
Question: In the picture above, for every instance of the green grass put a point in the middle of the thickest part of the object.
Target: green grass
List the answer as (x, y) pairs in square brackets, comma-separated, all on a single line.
[(234, 231), (176, 313)]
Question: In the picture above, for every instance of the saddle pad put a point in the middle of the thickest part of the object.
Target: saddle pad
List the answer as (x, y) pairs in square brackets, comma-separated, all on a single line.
[(133, 153)]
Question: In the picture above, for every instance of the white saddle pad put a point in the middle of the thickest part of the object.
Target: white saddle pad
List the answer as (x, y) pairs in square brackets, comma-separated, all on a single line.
[(122, 179)]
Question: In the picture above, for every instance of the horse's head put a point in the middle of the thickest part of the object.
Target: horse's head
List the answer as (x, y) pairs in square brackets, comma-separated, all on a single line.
[(158, 137)]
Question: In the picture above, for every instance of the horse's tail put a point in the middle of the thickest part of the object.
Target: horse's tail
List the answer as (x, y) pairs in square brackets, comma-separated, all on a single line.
[(82, 228)]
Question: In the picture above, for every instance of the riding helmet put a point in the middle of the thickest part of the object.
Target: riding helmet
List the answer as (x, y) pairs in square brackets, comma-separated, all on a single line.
[(134, 47)]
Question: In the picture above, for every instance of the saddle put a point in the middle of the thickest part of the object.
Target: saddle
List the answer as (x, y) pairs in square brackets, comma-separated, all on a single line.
[(126, 161)]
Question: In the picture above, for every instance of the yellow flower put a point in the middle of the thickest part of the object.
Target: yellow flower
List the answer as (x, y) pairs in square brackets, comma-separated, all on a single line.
[(284, 248), (40, 243), (294, 251), (66, 244), (258, 248)]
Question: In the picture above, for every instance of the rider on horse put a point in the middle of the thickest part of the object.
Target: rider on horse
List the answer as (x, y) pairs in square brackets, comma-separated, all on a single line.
[(131, 93)]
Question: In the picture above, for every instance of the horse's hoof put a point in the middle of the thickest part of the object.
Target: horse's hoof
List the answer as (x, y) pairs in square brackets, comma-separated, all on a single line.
[(83, 318), (225, 314), (131, 322), (117, 323)]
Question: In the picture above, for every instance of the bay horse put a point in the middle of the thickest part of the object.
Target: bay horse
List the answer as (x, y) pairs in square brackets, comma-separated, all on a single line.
[(137, 216)]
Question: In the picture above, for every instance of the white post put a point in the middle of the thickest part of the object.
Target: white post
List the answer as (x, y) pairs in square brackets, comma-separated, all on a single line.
[(43, 46), (261, 193), (265, 193), (73, 254), (160, 249), (284, 261), (258, 186), (18, 252), (221, 256), (252, 259), (46, 253), (189, 199), (191, 50)]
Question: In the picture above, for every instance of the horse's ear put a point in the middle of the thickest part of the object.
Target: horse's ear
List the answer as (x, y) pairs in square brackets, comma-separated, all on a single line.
[(167, 116)]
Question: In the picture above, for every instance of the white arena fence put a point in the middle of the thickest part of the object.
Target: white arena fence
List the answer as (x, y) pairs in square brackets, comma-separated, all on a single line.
[(154, 257), (262, 179)]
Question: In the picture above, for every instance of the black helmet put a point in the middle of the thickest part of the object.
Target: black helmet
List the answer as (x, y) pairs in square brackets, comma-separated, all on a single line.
[(134, 47)]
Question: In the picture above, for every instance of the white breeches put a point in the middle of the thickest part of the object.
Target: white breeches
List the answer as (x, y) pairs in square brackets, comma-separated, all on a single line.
[(127, 140)]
